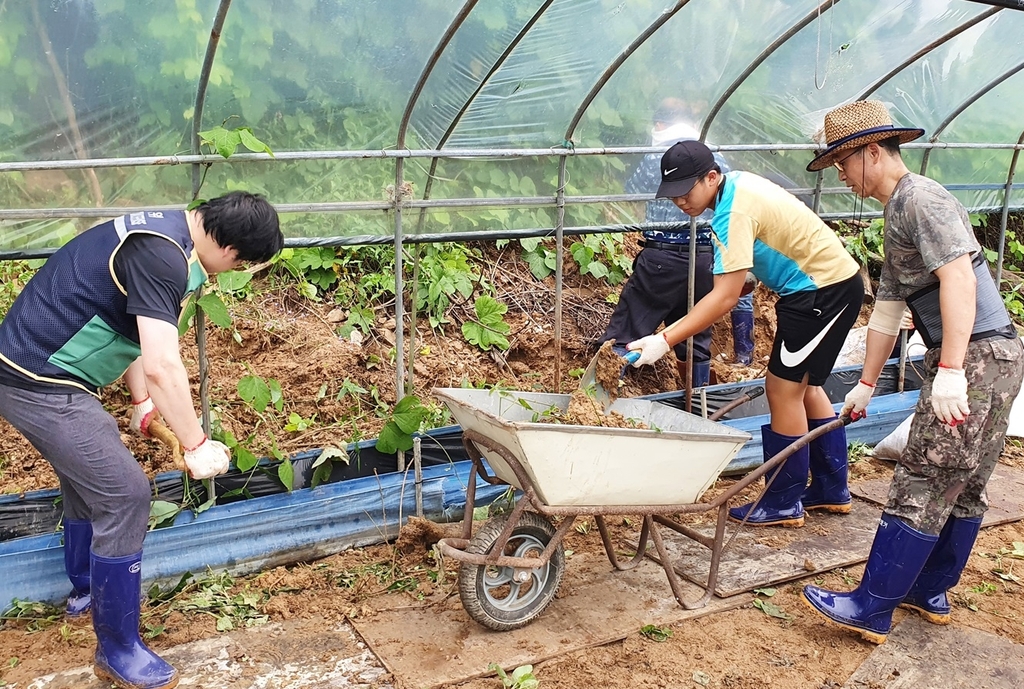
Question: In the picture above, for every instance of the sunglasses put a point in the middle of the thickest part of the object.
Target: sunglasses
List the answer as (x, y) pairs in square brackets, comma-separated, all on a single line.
[(840, 163)]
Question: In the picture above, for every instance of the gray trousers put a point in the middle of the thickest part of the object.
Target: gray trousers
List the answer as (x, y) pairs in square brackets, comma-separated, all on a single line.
[(100, 480)]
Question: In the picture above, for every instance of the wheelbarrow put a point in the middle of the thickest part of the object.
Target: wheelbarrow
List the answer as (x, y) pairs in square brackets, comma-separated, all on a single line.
[(511, 568)]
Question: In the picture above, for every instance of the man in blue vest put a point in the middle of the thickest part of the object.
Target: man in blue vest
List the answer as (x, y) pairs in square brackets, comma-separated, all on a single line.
[(105, 306)]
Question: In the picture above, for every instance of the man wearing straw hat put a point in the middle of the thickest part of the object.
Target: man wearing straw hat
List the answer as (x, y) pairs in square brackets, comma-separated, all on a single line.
[(759, 226), (973, 371)]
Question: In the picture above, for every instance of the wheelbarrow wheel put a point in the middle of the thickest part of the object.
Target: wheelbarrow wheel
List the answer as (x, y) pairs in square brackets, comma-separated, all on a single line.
[(494, 596)]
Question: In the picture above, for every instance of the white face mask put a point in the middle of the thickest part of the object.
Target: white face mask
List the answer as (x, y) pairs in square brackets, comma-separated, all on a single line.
[(673, 133)]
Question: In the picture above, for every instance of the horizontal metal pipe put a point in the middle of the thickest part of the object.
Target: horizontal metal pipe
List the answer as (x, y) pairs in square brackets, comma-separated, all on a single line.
[(454, 154)]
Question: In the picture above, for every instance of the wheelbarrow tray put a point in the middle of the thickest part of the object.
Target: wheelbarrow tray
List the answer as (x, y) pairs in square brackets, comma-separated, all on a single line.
[(673, 463)]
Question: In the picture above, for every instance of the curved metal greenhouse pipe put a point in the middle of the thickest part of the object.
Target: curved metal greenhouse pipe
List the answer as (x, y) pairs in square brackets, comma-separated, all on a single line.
[(560, 193), (403, 127), (513, 44), (204, 81), (963, 106), (927, 49), (1006, 208), (756, 62), (617, 62), (197, 124)]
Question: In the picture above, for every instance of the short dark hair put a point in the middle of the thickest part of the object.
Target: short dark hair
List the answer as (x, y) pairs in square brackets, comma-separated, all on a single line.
[(245, 222), (890, 145)]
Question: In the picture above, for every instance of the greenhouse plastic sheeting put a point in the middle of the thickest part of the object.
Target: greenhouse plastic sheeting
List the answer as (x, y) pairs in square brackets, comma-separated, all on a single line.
[(103, 80)]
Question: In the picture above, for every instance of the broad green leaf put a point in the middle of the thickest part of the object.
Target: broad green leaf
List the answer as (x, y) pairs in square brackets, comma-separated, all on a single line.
[(249, 140), (276, 394), (215, 310), (392, 439), (408, 415), (255, 391), (286, 473), (244, 459), (233, 280), (162, 513), (330, 454), (186, 317)]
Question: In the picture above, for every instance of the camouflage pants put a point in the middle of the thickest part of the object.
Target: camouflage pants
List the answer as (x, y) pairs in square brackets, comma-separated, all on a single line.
[(944, 469)]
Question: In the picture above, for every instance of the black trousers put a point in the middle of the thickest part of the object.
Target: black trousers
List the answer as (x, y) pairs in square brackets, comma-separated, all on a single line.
[(657, 292)]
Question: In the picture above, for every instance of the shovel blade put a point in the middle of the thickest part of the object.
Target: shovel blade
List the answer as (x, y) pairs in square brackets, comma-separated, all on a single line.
[(590, 383)]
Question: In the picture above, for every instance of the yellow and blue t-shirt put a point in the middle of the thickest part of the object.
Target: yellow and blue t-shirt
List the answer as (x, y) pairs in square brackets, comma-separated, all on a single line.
[(759, 226)]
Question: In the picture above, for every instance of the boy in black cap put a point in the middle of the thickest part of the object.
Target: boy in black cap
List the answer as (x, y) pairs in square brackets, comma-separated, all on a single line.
[(759, 226)]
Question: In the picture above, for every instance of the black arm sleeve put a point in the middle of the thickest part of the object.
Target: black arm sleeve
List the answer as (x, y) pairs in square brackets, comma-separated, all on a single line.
[(154, 272)]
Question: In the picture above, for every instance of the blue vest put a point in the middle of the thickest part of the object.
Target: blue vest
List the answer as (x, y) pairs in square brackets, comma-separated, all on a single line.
[(70, 324)]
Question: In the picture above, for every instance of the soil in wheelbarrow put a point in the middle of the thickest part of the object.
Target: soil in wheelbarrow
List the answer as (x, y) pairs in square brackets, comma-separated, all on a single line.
[(585, 410)]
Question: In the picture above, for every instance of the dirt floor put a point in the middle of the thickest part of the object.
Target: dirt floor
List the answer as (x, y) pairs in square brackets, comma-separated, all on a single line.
[(293, 341)]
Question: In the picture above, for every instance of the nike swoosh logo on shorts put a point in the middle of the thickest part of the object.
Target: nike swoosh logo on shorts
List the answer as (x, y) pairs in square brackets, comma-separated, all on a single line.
[(790, 359)]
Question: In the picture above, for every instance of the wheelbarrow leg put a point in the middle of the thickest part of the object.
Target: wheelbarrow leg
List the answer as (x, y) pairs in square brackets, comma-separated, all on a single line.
[(609, 548), (673, 578)]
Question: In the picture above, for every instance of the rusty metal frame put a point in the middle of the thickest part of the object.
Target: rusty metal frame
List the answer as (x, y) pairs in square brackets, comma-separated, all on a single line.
[(653, 515)]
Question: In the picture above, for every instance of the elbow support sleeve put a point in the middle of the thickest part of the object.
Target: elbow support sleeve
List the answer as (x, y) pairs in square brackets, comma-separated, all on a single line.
[(886, 317)]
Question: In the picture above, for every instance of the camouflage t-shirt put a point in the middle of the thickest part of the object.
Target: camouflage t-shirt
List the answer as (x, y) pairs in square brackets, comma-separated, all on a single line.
[(925, 228)]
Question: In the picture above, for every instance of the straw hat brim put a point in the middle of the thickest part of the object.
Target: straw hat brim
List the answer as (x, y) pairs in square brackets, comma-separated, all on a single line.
[(829, 155)]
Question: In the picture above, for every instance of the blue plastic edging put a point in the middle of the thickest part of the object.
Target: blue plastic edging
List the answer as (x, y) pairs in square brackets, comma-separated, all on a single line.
[(250, 535)]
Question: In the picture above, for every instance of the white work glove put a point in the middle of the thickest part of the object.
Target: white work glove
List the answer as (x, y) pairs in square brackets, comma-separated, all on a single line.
[(857, 401), (142, 413), (207, 459), (949, 395), (651, 348)]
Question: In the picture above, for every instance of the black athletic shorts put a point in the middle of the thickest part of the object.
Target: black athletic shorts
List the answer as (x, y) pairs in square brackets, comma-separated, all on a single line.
[(811, 328)]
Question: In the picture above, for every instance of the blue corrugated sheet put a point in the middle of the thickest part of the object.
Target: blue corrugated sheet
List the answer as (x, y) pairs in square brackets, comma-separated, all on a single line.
[(255, 534)]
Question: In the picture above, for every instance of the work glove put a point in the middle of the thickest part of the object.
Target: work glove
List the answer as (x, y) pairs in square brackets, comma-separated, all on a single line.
[(651, 348), (142, 413), (857, 400), (907, 322), (949, 395), (207, 459)]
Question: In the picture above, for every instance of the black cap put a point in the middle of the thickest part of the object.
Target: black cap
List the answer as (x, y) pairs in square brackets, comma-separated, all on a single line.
[(682, 166)]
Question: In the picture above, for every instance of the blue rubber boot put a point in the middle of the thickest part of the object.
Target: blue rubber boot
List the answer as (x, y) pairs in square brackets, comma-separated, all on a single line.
[(121, 656), (701, 373), (942, 572), (743, 336), (897, 555), (77, 542), (829, 466), (780, 505)]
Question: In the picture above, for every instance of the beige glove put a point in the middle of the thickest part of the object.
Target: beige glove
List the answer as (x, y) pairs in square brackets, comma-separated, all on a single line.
[(651, 348), (949, 395), (857, 401), (207, 459), (142, 413)]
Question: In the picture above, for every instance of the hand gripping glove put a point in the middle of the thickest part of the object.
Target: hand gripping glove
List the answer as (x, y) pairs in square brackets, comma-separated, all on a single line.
[(651, 348), (857, 401), (142, 413), (207, 459), (949, 395)]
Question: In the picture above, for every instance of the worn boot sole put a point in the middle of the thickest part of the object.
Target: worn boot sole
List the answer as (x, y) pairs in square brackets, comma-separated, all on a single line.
[(834, 509), (787, 523), (873, 637), (121, 684), (934, 618)]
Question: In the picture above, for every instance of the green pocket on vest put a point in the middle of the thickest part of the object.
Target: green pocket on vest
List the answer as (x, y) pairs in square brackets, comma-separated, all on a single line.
[(96, 354)]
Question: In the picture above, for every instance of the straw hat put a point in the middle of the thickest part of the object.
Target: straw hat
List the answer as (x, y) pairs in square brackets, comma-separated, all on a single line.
[(857, 124)]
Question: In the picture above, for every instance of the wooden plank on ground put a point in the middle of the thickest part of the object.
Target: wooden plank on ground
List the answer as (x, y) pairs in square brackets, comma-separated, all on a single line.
[(918, 655), (1005, 494), (437, 646), (764, 556)]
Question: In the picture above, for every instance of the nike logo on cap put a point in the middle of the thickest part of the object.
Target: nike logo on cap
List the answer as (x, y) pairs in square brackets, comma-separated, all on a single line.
[(790, 359), (669, 172)]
